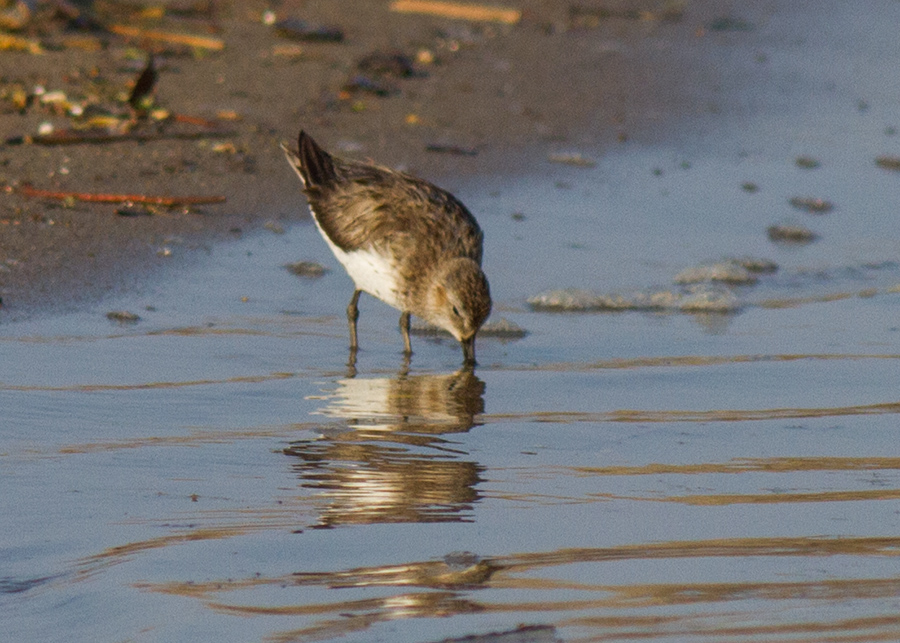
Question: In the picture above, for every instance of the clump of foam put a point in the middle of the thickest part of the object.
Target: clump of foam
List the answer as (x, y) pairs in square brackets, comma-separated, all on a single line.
[(700, 298), (703, 288), (738, 272)]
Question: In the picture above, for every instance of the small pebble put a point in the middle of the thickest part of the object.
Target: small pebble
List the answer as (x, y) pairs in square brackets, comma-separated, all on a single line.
[(295, 29), (134, 210), (308, 269), (425, 57), (888, 163), (123, 317), (391, 63), (811, 205), (791, 234)]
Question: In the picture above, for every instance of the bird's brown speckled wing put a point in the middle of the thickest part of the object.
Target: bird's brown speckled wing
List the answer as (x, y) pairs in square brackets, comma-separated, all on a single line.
[(371, 206), (361, 206)]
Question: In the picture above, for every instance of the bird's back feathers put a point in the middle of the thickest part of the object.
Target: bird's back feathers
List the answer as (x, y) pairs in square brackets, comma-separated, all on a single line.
[(359, 206)]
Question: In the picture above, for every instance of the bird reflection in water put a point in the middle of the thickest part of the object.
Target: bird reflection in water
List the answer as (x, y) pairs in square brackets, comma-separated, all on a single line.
[(390, 460)]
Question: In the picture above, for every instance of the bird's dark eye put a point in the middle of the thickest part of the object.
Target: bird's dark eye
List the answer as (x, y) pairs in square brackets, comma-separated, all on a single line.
[(456, 311)]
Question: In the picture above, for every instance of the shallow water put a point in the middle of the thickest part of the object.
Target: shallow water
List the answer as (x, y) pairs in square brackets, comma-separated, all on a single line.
[(216, 471)]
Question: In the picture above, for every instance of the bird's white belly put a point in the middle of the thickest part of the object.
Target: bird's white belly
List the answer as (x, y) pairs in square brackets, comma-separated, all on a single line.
[(371, 272)]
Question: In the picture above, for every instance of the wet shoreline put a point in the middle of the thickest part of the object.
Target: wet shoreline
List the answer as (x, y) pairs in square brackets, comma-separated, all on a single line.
[(483, 97)]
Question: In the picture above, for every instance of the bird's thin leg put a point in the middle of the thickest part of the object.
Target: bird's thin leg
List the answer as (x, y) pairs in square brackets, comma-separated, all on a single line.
[(352, 316), (404, 330)]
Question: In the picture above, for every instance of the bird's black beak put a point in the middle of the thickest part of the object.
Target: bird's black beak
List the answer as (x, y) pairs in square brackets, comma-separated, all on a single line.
[(468, 347)]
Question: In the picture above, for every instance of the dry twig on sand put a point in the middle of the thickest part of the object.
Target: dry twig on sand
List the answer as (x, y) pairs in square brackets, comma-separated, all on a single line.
[(26, 189), (460, 11)]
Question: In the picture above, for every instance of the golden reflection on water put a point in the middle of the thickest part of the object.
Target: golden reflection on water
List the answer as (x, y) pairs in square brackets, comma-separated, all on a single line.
[(681, 361), (359, 615), (141, 386), (771, 498), (746, 465), (713, 415), (462, 571), (390, 461), (446, 591)]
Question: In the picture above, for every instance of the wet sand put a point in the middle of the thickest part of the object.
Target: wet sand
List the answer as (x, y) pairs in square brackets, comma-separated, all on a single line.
[(494, 97)]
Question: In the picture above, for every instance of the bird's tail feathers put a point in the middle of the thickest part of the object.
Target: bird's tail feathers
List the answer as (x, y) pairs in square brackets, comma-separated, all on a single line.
[(313, 164)]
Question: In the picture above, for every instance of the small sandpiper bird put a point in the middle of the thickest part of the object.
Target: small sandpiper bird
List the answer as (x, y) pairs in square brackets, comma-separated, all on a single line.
[(401, 239)]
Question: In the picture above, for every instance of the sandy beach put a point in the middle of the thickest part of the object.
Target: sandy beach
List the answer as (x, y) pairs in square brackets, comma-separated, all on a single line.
[(466, 96)]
